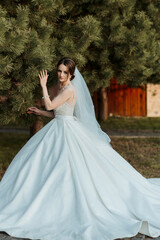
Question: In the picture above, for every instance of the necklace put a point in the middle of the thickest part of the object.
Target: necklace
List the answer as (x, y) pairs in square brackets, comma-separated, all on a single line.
[(65, 87)]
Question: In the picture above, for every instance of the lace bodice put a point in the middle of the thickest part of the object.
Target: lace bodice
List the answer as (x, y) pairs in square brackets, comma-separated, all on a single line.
[(66, 108)]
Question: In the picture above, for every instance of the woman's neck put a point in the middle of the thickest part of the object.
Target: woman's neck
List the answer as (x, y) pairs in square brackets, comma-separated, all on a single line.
[(62, 85)]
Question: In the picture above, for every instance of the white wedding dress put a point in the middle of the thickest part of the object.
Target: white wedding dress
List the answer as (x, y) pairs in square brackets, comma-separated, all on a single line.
[(62, 185)]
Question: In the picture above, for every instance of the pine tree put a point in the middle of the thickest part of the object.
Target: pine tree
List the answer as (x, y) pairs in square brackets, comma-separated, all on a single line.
[(34, 36), (129, 46), (114, 38)]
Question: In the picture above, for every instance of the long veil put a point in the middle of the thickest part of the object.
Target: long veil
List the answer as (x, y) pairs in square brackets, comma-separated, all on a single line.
[(84, 108)]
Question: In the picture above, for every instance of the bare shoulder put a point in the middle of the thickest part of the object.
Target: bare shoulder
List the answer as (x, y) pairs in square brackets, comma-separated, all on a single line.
[(69, 89), (72, 90)]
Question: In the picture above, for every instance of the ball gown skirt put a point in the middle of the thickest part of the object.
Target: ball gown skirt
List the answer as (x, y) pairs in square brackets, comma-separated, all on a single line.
[(65, 185)]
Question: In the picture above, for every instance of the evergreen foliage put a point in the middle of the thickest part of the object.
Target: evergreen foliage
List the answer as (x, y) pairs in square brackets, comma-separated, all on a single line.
[(114, 38), (130, 46)]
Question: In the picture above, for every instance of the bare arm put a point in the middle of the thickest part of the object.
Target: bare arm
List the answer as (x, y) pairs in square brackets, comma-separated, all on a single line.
[(58, 100), (61, 98), (40, 112), (47, 114)]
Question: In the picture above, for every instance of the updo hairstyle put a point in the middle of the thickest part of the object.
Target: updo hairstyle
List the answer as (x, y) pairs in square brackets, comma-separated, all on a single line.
[(69, 63)]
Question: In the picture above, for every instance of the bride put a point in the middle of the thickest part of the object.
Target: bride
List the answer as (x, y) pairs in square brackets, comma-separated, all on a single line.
[(68, 183)]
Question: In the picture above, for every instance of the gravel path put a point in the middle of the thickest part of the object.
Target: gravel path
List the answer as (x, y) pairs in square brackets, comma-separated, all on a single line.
[(111, 133), (134, 134), (14, 130)]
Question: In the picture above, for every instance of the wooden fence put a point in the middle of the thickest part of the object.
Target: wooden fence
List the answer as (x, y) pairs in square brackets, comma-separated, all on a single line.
[(123, 100)]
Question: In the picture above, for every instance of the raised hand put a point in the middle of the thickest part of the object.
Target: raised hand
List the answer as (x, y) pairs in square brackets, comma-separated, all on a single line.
[(43, 77), (33, 110)]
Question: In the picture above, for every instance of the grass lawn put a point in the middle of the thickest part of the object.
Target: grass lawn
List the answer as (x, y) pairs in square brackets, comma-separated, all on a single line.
[(131, 123), (117, 123), (10, 144), (142, 153)]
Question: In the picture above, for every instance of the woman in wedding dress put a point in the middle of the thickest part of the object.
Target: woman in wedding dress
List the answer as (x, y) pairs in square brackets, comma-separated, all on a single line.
[(68, 183)]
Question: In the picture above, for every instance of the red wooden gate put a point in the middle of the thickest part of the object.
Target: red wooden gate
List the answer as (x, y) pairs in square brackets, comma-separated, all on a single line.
[(123, 100), (126, 101)]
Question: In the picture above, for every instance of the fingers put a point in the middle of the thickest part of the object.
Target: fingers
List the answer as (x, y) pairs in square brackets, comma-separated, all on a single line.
[(43, 74), (40, 75), (31, 108), (30, 111)]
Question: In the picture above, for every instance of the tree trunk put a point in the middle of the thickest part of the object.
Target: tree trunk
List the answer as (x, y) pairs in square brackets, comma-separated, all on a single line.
[(37, 125), (103, 105)]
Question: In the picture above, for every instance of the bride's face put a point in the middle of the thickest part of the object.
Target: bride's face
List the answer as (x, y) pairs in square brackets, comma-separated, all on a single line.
[(63, 73)]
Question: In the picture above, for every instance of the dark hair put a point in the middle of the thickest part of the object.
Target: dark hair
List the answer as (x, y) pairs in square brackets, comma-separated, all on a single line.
[(69, 63)]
